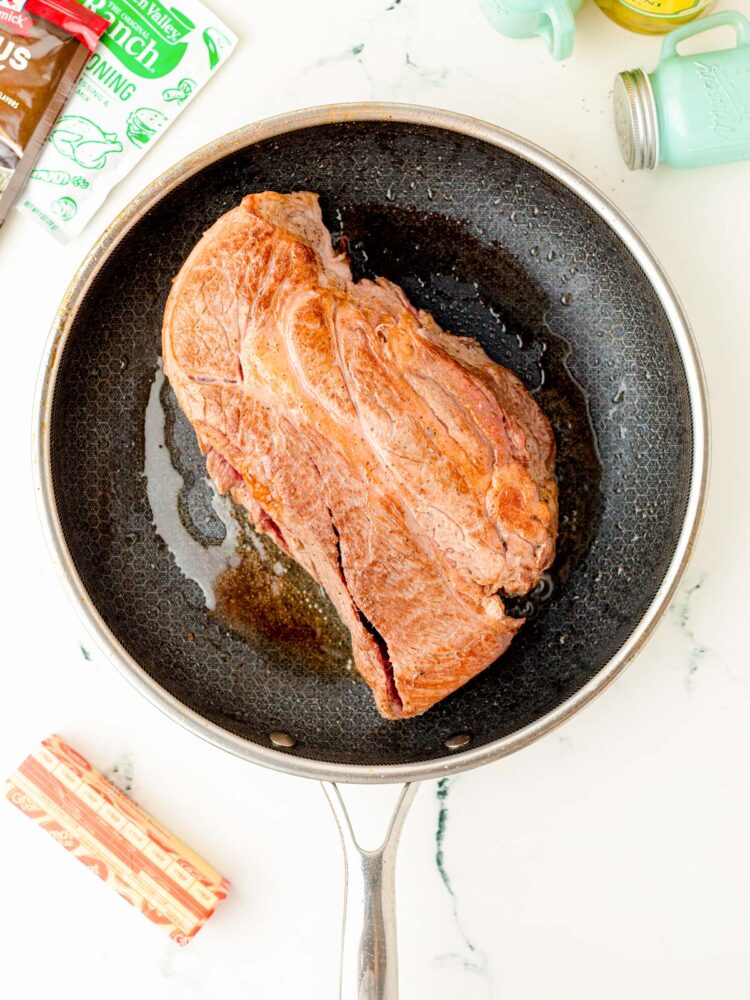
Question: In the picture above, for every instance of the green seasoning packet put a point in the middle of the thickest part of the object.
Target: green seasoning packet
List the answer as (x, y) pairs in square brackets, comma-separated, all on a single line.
[(149, 64)]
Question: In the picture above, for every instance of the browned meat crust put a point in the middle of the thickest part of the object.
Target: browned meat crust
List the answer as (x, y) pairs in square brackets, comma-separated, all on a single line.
[(406, 471)]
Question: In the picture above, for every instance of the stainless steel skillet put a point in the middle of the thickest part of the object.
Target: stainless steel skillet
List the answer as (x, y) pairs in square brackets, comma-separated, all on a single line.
[(501, 242)]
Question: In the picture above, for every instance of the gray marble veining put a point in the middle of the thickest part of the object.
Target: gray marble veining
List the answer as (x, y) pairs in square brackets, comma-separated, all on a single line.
[(471, 958), (681, 611)]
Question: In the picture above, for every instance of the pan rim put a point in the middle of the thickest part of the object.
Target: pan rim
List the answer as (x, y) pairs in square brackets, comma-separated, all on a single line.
[(270, 128)]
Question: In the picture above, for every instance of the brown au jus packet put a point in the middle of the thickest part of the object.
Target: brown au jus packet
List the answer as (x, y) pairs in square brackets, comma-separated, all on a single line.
[(44, 45)]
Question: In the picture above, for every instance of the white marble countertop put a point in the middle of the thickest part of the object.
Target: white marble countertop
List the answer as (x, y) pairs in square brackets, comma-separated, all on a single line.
[(608, 860)]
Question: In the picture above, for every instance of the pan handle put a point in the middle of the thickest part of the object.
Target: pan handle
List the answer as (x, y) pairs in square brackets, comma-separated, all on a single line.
[(369, 964)]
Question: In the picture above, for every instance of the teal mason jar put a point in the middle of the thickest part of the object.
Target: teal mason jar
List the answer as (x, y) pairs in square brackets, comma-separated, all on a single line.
[(693, 110), (552, 20)]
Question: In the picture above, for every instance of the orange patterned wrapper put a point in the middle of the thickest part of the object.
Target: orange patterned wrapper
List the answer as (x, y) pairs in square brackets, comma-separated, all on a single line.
[(147, 865)]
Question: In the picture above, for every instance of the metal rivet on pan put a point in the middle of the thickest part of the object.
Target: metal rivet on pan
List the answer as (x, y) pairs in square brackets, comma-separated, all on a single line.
[(282, 740), (458, 741)]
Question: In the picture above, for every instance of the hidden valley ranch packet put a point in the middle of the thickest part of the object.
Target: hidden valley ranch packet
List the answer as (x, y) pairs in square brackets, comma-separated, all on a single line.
[(149, 64)]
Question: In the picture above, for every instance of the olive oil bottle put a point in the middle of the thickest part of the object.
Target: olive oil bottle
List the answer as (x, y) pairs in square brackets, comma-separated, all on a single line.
[(654, 17)]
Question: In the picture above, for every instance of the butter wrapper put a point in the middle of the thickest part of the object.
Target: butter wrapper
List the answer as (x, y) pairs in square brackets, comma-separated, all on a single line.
[(152, 60), (94, 821)]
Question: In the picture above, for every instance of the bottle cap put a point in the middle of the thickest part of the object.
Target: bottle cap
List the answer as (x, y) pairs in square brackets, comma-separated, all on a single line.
[(636, 121)]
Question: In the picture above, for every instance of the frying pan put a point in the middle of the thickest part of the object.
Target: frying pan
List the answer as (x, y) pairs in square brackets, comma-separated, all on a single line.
[(501, 242)]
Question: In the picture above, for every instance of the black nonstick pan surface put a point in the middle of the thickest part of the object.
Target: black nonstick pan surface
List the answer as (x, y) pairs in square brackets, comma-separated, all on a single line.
[(499, 242)]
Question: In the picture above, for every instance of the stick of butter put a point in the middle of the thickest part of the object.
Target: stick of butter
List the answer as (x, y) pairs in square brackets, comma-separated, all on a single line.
[(149, 64), (93, 820)]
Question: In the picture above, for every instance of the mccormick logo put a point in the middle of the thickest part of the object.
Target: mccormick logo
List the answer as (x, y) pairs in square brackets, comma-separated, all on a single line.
[(145, 35), (13, 17), (725, 113)]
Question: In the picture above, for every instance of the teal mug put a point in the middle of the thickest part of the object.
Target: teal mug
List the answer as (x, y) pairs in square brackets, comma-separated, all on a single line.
[(552, 20), (693, 110)]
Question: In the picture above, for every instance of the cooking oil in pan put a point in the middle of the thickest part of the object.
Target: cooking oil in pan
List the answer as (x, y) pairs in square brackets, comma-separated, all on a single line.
[(269, 595), (248, 584), (200, 559), (578, 467)]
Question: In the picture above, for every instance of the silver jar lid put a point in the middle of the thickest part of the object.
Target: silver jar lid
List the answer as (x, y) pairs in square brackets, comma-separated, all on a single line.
[(636, 121)]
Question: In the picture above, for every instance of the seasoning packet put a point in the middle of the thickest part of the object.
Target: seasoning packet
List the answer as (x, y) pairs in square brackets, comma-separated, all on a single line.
[(44, 45), (151, 62)]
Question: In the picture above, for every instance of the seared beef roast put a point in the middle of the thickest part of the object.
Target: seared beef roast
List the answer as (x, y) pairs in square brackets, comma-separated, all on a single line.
[(400, 466)]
